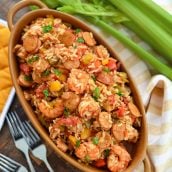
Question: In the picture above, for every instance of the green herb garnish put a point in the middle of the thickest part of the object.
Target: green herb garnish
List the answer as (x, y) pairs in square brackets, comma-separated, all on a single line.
[(119, 93), (46, 72), (33, 59), (87, 158), (66, 112), (95, 140), (28, 78), (46, 93), (57, 72), (78, 142), (80, 40), (77, 30), (106, 152), (96, 93), (106, 69), (93, 77), (47, 28)]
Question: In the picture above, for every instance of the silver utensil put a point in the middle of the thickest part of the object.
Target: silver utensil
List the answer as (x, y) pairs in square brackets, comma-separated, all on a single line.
[(9, 165), (14, 123), (37, 148)]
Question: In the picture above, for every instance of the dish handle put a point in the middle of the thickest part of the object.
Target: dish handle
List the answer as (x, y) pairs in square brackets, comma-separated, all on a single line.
[(18, 6)]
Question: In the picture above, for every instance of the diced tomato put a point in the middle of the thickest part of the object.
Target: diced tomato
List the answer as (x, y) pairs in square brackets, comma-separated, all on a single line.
[(39, 91), (25, 68), (70, 121), (100, 163), (112, 64), (120, 111)]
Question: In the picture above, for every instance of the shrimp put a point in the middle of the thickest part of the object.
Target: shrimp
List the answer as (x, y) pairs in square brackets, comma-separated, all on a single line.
[(71, 64), (118, 159), (70, 100), (24, 80), (78, 81), (89, 39), (104, 140), (88, 149), (20, 51), (105, 120), (51, 110), (41, 65), (61, 145), (67, 38), (31, 43), (88, 108), (81, 151), (124, 131)]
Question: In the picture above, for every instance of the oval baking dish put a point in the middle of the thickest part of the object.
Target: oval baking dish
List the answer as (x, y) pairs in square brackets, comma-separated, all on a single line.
[(139, 150)]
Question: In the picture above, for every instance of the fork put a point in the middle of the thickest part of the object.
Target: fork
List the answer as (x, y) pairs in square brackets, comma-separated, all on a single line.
[(37, 148), (9, 165), (14, 124)]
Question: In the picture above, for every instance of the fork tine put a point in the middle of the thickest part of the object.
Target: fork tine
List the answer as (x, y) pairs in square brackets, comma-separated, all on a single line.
[(33, 138), (32, 130), (11, 125), (18, 121), (8, 164), (14, 122)]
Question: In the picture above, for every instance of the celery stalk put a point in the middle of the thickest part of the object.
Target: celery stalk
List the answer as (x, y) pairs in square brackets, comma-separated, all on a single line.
[(162, 39), (147, 57), (143, 36), (145, 9), (161, 14)]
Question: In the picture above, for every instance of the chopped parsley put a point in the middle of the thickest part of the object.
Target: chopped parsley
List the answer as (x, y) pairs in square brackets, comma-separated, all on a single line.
[(47, 28), (95, 140), (119, 93), (87, 158), (33, 59), (96, 93), (57, 72), (46, 93), (46, 72), (27, 77), (80, 40), (78, 142), (106, 152), (93, 77), (77, 30), (106, 69), (66, 112)]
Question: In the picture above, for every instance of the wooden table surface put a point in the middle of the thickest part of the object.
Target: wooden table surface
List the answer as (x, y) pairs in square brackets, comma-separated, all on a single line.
[(7, 146)]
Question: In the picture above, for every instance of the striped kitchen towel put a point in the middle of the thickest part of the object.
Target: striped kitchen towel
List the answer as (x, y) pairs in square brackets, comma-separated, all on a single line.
[(156, 93)]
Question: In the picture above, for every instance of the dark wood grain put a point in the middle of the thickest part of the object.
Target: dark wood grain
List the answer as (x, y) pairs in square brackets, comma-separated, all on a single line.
[(7, 146)]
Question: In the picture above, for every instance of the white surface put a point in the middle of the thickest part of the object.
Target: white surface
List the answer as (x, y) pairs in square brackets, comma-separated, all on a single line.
[(10, 97)]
